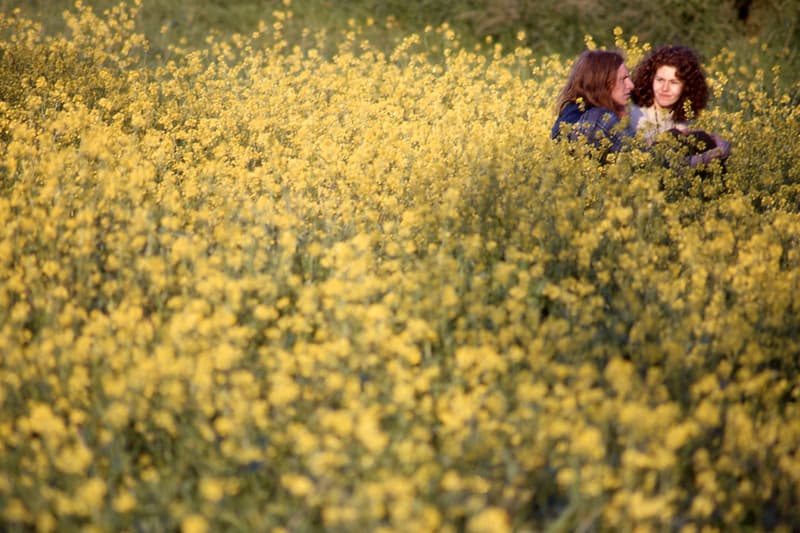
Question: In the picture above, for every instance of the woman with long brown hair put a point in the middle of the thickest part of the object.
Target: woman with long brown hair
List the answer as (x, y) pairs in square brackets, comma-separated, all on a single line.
[(594, 101)]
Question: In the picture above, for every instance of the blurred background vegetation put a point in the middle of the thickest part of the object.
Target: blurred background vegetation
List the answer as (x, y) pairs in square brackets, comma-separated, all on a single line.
[(549, 26)]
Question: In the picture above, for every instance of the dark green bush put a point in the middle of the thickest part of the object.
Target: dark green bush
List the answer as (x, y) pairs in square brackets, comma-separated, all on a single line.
[(550, 25)]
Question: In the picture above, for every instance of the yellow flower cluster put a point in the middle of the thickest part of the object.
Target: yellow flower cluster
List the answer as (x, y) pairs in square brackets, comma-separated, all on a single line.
[(265, 286)]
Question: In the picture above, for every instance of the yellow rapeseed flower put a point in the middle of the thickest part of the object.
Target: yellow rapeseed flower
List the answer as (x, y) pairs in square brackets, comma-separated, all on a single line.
[(194, 523), (490, 520)]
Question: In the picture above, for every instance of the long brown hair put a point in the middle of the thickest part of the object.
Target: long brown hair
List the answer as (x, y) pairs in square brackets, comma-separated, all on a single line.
[(592, 79)]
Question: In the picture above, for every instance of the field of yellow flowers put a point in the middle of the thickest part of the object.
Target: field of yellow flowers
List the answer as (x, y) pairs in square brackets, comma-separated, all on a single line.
[(259, 287)]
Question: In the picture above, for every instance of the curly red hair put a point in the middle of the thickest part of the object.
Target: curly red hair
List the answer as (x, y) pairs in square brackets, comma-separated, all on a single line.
[(687, 69)]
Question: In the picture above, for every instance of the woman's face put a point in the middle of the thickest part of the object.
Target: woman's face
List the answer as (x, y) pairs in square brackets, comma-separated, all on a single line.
[(667, 87), (621, 92)]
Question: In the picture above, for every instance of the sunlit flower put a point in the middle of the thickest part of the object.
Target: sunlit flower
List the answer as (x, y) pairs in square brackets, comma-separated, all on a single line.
[(490, 520), (194, 524)]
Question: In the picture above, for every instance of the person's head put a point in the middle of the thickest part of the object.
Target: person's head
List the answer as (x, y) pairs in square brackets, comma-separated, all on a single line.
[(671, 78), (600, 79)]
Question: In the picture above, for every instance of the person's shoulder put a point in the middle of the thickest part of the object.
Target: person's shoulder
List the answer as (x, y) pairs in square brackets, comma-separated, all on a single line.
[(601, 117), (644, 112), (643, 119), (636, 114), (571, 113)]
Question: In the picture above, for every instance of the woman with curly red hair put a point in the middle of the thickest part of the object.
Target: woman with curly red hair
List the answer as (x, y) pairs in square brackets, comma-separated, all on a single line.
[(670, 90)]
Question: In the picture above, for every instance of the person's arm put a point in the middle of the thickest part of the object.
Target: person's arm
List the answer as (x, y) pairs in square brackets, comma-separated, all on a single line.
[(721, 151)]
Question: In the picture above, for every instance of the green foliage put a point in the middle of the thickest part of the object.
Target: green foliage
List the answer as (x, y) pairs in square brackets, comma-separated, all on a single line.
[(559, 25), (550, 26)]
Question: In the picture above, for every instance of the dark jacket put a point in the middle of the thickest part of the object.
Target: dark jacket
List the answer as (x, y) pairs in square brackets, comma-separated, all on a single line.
[(592, 125)]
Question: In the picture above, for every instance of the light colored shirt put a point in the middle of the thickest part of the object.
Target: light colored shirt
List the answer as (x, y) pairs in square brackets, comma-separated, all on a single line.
[(650, 122)]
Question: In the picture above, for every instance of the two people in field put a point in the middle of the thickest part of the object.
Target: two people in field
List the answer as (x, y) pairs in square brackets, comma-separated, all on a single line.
[(668, 90)]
